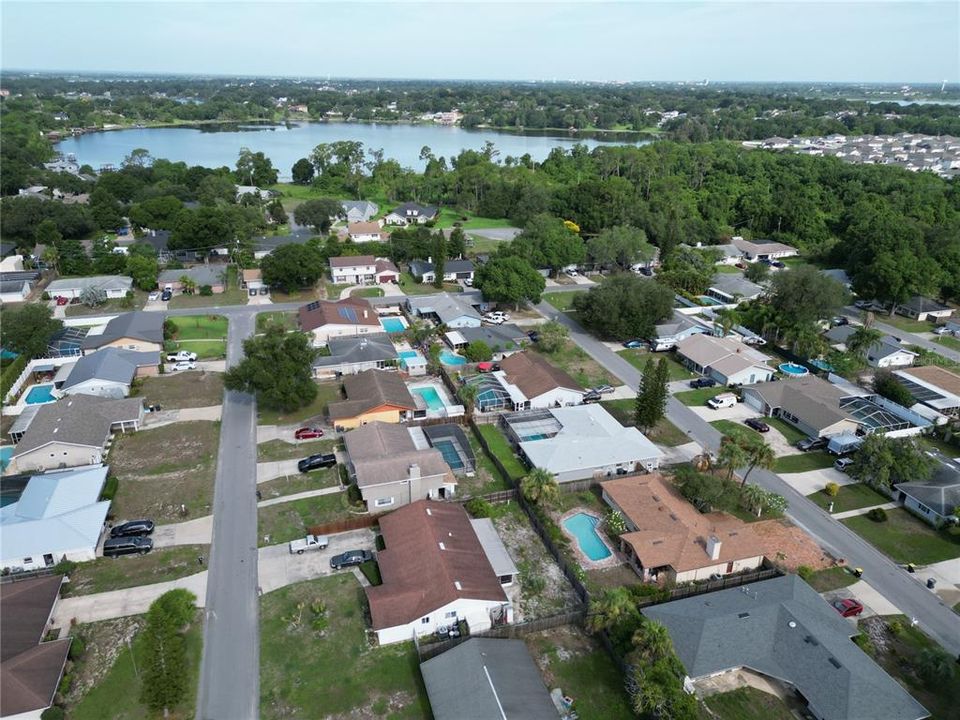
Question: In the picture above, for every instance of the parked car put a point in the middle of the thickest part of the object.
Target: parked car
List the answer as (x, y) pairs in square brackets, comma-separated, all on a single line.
[(181, 356), (591, 396), (754, 340), (496, 317), (848, 607), (153, 297), (315, 462), (308, 433), (264, 290), (487, 366), (135, 545), (942, 330), (166, 295), (777, 264), (863, 304), (61, 300), (842, 464), (350, 558), (808, 444), (468, 282), (703, 382), (757, 424), (635, 343), (534, 336), (571, 272), (184, 365), (741, 265), (603, 389), (839, 320), (253, 292), (131, 528), (723, 400), (310, 542)]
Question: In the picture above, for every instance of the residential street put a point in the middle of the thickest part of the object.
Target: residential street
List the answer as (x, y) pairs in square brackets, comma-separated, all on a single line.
[(907, 337)]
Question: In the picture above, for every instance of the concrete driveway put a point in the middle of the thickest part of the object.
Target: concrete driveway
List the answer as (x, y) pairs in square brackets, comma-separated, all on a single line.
[(278, 568), (192, 532), (277, 468), (873, 602), (265, 433), (740, 412), (813, 480)]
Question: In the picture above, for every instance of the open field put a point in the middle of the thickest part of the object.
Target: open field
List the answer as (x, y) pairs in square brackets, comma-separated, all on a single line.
[(907, 539), (158, 565), (327, 392), (581, 367), (200, 327), (287, 319), (663, 433), (638, 358), (450, 217), (181, 390)]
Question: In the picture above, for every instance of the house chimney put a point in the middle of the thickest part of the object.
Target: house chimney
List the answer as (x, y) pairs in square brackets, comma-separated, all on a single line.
[(414, 471), (713, 547)]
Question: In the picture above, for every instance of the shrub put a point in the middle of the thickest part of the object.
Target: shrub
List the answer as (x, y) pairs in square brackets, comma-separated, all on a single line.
[(53, 713), (878, 515), (77, 648), (206, 290), (479, 508), (109, 491), (831, 489), (805, 571), (45, 297), (65, 684), (169, 346), (170, 329), (64, 567), (179, 605), (895, 627), (615, 523), (353, 494)]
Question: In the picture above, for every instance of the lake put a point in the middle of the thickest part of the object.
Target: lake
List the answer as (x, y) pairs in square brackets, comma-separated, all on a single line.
[(219, 146)]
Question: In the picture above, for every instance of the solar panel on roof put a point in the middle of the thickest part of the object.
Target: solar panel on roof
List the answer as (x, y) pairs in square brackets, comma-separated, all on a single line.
[(313, 306), (919, 392), (347, 313)]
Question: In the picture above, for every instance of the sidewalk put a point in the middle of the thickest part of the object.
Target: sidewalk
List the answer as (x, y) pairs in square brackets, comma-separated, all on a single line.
[(863, 510), (211, 413), (198, 531)]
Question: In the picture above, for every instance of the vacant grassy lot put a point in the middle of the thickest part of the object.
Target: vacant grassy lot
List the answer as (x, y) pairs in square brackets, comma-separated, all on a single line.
[(699, 396), (161, 469), (563, 299), (412, 287), (907, 539), (232, 295), (287, 319), (501, 448), (831, 579), (328, 392), (849, 497), (310, 661), (298, 483), (638, 358), (205, 349), (786, 429), (449, 217), (181, 390), (581, 367), (288, 521), (663, 433), (200, 327), (814, 460), (303, 295), (747, 703), (158, 565), (282, 450)]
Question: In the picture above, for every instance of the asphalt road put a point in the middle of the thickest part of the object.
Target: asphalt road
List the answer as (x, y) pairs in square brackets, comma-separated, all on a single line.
[(906, 337), (230, 668), (888, 578)]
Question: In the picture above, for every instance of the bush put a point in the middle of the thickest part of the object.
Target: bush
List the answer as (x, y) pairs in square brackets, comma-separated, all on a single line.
[(109, 491), (805, 571), (877, 515), (615, 523), (895, 627), (170, 329), (353, 494), (45, 297), (53, 713), (206, 290), (179, 605), (64, 567), (77, 648), (831, 489), (65, 684), (479, 508)]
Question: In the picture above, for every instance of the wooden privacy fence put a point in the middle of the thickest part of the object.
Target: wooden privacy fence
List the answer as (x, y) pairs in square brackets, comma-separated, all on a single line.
[(354, 523)]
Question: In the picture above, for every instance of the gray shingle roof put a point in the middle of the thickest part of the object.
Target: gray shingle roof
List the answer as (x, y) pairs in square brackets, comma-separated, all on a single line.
[(110, 364), (201, 275), (365, 348), (77, 420), (941, 492), (101, 282), (782, 628), (147, 326)]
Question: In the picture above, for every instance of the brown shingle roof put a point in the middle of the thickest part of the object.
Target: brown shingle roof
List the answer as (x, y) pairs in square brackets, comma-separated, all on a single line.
[(349, 311), (383, 452), (418, 576), (371, 389), (252, 274), (938, 376), (534, 375), (363, 228), (351, 260), (26, 608)]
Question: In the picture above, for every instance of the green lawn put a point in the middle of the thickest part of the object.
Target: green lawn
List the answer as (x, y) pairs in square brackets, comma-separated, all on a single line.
[(328, 392), (449, 217), (802, 462), (232, 295), (747, 703), (368, 292), (579, 365), (110, 307), (663, 433), (699, 396), (487, 478), (638, 358), (734, 429), (205, 349), (831, 579), (288, 521), (282, 450), (907, 539), (200, 327), (562, 300), (477, 244), (305, 668), (159, 565), (905, 324), (298, 483), (849, 497), (287, 319), (412, 287), (500, 447), (786, 429), (949, 342), (728, 269)]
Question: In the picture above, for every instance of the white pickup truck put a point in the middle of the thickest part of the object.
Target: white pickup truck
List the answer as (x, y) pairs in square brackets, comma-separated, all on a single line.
[(310, 542), (181, 356)]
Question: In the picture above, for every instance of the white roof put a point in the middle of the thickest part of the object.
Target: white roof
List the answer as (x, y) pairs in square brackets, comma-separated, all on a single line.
[(515, 393), (590, 437), (103, 282), (493, 547)]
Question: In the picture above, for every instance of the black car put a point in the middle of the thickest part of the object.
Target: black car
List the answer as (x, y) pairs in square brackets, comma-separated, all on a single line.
[(350, 558), (757, 424), (166, 295), (136, 545), (808, 444), (315, 462), (703, 382), (534, 336), (132, 528)]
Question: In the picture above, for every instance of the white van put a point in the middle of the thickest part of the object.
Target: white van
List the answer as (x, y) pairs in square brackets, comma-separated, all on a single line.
[(723, 400)]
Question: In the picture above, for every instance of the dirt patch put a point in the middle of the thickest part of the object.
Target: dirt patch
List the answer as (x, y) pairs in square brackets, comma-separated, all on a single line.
[(789, 546), (104, 642), (181, 390)]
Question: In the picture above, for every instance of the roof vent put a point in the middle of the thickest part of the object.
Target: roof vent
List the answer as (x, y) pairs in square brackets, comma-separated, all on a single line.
[(442, 546), (457, 585), (835, 663), (743, 615), (428, 512), (657, 542)]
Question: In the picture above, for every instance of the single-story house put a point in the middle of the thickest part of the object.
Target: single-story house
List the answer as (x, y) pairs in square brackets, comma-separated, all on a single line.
[(351, 355), (390, 470), (266, 244), (575, 443), (730, 288), (72, 432), (885, 353), (372, 395), (935, 387), (486, 678), (729, 253), (251, 278), (58, 516), (784, 630), (411, 214), (453, 270), (359, 210), (108, 373), (30, 669), (444, 309), (13, 263), (14, 291), (503, 340), (253, 190), (362, 270), (763, 249), (526, 381), (809, 403), (139, 331), (727, 361), (361, 232), (325, 319), (923, 308), (678, 327), (201, 275), (436, 573), (114, 286), (935, 500), (669, 540)]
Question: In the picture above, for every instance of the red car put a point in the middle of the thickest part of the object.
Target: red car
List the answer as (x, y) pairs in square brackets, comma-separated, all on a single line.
[(308, 433), (61, 300), (848, 607)]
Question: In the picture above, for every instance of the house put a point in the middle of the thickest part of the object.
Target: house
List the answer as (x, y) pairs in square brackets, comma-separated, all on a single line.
[(727, 361), (362, 270), (251, 279), (763, 249), (372, 395), (840, 275), (576, 443), (14, 291), (453, 270), (731, 289), (435, 574), (12, 263), (359, 210), (935, 500), (351, 355), (485, 678), (390, 470), (73, 431), (113, 286), (108, 373), (670, 332), (784, 631), (139, 331), (503, 340), (58, 516), (669, 540), (201, 275), (525, 381), (411, 214), (361, 232), (923, 308), (253, 190), (935, 387), (729, 253), (325, 319), (885, 353), (444, 309), (810, 404), (30, 669)]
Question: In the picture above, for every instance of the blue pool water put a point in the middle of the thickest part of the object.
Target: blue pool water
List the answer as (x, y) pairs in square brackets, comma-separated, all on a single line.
[(405, 355), (584, 528), (450, 454), (707, 300), (449, 358), (822, 364), (393, 325), (528, 438), (431, 397), (7, 354), (793, 369), (40, 394), (5, 453)]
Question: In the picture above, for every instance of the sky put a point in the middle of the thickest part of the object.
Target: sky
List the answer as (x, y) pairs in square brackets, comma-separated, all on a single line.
[(802, 40)]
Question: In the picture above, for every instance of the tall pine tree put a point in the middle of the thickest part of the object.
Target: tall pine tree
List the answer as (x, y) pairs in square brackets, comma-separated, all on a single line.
[(439, 258), (652, 394)]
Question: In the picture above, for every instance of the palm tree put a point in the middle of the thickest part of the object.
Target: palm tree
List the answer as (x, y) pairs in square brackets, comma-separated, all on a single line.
[(754, 495), (731, 456), (614, 606), (862, 339), (51, 256), (468, 396), (652, 641), (759, 454), (540, 487), (187, 285)]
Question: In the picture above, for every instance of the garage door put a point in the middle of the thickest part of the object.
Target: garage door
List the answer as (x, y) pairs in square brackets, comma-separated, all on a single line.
[(753, 401)]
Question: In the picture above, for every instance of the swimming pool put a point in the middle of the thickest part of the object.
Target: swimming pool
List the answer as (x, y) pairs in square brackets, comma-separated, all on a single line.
[(450, 453), (822, 364), (40, 394), (393, 324), (707, 300), (793, 369), (431, 397), (583, 527), (449, 358), (5, 453)]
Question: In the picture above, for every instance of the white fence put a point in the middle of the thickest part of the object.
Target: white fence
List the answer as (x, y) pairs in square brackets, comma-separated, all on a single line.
[(27, 372)]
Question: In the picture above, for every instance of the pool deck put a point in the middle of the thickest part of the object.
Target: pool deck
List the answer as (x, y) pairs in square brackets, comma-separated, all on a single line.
[(22, 402), (586, 563), (450, 406)]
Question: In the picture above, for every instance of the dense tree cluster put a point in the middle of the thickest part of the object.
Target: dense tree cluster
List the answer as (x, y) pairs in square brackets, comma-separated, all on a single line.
[(277, 368), (624, 307)]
